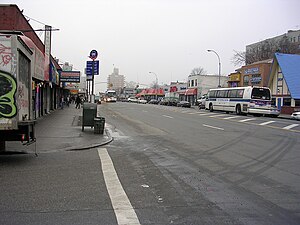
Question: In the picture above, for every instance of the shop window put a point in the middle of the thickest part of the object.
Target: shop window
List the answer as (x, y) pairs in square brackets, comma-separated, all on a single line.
[(297, 102), (246, 80), (286, 102), (256, 79), (273, 102)]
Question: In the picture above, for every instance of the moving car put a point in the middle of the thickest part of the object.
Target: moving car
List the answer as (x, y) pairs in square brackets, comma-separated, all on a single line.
[(184, 104), (296, 115)]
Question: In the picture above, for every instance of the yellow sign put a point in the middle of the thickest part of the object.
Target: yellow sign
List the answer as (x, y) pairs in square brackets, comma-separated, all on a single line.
[(235, 77)]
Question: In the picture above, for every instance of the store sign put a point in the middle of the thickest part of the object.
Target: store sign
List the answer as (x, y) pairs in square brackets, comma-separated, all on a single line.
[(255, 79), (254, 70), (70, 76), (235, 77)]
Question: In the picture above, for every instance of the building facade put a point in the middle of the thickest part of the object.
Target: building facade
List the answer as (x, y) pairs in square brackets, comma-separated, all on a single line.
[(45, 80), (256, 74), (116, 82), (285, 43), (285, 82), (199, 85)]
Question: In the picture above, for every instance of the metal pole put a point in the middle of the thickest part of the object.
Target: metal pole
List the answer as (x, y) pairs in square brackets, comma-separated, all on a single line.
[(210, 50), (93, 77), (156, 84)]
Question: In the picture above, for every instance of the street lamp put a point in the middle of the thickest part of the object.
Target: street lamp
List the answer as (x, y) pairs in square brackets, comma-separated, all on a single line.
[(210, 50), (156, 83)]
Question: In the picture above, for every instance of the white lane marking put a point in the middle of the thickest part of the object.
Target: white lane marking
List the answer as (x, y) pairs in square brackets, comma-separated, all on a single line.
[(204, 114), (218, 115), (145, 111), (231, 117), (246, 120), (266, 123), (123, 209), (200, 113), (168, 116), (218, 128), (290, 126)]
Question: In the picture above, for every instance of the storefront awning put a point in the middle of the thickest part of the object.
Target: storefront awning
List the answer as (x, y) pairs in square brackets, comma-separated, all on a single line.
[(191, 91)]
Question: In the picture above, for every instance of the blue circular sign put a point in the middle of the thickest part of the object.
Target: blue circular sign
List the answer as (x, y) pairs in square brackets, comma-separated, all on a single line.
[(93, 54)]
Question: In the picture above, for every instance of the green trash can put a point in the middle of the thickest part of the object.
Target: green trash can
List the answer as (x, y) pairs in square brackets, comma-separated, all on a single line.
[(89, 112), (99, 123)]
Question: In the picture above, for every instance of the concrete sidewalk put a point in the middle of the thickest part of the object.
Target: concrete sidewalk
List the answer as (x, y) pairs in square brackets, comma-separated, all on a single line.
[(61, 130)]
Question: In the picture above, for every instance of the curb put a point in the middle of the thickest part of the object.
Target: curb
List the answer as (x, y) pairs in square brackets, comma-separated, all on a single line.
[(110, 139)]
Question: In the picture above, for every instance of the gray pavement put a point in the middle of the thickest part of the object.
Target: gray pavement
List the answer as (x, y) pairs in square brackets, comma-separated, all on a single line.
[(62, 130)]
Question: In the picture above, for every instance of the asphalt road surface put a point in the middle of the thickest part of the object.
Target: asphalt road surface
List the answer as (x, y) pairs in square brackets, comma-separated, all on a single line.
[(166, 165)]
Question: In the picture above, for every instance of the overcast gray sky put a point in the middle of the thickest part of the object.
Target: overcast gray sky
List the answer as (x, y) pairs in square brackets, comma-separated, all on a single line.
[(168, 37)]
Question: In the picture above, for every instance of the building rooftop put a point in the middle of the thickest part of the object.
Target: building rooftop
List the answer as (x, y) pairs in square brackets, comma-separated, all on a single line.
[(290, 67)]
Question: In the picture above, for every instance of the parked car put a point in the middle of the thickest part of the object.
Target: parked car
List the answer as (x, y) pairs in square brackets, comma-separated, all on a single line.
[(296, 115), (153, 101), (132, 99), (184, 104), (201, 102), (142, 101), (163, 102)]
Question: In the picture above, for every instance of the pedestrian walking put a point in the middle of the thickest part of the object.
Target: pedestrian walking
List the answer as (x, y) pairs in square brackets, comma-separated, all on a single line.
[(68, 101), (62, 102), (78, 102)]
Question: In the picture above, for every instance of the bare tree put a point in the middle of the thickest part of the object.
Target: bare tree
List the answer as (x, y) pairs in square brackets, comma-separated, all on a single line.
[(266, 50), (198, 71), (239, 58)]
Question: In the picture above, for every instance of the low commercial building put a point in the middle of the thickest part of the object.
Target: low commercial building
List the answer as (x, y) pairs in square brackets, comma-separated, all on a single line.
[(284, 82), (256, 74), (199, 85)]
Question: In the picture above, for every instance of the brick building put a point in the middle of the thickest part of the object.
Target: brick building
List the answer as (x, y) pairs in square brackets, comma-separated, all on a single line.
[(45, 80)]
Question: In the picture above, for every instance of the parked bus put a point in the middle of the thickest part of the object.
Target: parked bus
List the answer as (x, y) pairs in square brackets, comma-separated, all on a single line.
[(110, 96), (242, 100)]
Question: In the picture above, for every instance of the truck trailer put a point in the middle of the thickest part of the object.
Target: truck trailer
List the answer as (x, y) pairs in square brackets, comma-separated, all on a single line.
[(16, 106)]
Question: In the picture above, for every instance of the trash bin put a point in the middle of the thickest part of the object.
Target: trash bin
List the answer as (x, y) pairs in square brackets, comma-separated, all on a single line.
[(99, 123), (89, 112)]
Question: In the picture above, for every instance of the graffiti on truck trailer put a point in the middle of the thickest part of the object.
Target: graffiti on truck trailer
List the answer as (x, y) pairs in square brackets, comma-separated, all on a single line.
[(8, 87)]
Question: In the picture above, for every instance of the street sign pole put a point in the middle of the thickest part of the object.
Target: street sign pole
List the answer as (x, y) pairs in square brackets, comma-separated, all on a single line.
[(93, 98), (93, 56)]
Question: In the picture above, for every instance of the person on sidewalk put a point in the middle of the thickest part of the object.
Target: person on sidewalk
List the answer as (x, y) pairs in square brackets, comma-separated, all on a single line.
[(62, 102), (78, 102)]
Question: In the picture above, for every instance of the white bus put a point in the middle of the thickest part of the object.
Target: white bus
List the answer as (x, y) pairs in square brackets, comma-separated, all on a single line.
[(242, 100), (110, 96)]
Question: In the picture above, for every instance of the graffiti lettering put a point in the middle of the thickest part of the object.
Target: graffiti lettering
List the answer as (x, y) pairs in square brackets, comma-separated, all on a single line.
[(8, 89), (5, 54)]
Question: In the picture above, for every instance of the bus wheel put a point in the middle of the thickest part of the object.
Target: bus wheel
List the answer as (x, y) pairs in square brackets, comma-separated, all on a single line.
[(211, 109), (238, 110)]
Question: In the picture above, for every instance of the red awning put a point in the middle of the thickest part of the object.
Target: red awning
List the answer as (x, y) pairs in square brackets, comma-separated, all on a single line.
[(153, 91), (191, 91)]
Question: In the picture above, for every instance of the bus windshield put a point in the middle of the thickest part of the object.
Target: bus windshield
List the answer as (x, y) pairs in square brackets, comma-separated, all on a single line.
[(110, 94), (261, 93)]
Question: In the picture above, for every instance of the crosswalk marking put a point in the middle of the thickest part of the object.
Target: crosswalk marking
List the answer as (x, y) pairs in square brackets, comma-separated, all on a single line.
[(290, 126), (217, 115), (231, 117), (246, 120), (266, 123), (204, 114)]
